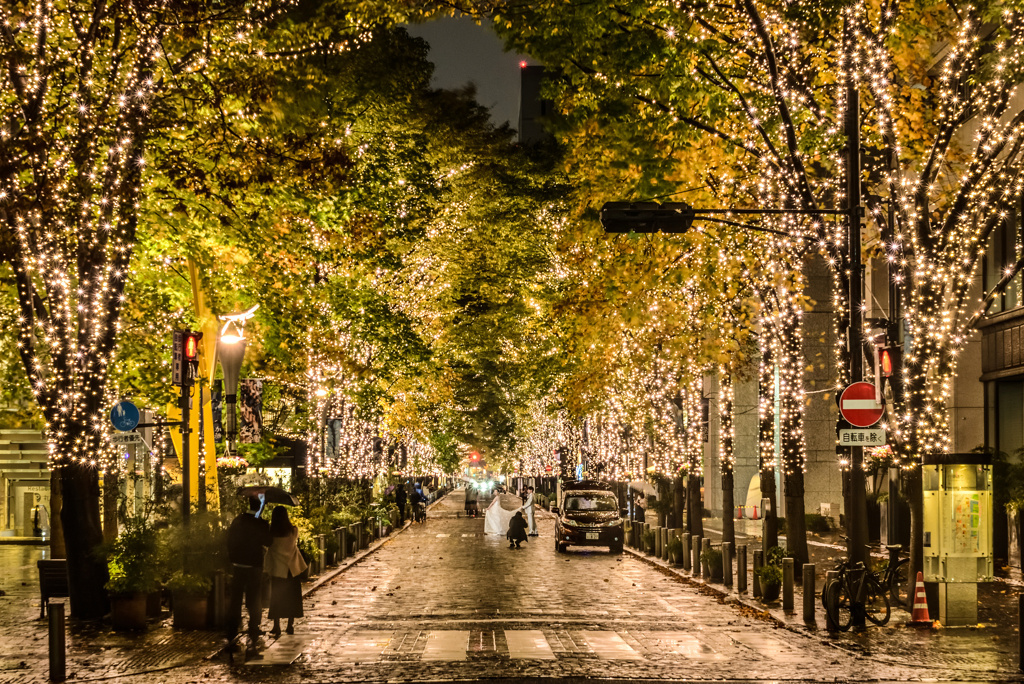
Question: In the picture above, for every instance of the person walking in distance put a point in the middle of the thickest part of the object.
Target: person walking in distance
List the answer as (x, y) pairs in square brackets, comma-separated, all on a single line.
[(248, 537), (400, 499), (528, 509), (285, 565)]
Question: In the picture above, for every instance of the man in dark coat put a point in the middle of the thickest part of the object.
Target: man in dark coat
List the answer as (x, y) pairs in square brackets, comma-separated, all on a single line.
[(516, 530), (248, 539), (400, 500)]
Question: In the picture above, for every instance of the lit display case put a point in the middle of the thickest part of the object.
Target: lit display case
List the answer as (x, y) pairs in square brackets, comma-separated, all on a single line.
[(957, 518)]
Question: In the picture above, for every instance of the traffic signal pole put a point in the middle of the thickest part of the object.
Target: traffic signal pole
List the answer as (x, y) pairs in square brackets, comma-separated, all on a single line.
[(186, 431)]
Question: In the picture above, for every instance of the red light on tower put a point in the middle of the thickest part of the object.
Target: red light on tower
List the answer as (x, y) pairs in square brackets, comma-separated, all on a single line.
[(523, 64)]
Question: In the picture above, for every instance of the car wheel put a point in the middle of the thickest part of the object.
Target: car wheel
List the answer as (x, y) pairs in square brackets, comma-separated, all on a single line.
[(559, 547)]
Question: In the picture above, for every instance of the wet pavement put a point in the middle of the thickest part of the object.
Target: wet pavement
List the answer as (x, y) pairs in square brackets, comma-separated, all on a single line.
[(442, 602)]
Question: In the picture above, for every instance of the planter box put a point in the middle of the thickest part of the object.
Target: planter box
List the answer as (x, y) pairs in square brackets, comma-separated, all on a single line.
[(189, 611), (128, 611), (770, 592)]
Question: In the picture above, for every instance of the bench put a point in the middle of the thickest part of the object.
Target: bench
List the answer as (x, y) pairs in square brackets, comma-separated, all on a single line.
[(53, 581)]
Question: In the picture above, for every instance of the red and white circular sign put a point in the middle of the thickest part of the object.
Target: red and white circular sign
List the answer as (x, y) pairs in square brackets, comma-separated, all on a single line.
[(858, 406)]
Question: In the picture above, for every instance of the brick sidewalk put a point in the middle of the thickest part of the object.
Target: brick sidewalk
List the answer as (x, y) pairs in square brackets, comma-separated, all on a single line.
[(990, 648), (94, 650)]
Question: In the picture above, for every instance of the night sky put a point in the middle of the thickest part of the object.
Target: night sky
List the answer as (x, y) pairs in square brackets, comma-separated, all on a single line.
[(466, 53)]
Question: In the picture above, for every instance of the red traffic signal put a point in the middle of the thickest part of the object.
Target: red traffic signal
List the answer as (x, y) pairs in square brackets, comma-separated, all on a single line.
[(192, 345), (885, 359)]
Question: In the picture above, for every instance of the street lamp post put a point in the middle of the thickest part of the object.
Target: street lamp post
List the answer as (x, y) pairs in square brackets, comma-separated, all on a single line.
[(231, 351)]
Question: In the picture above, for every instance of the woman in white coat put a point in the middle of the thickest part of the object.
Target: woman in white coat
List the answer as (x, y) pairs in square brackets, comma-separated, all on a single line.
[(284, 564)]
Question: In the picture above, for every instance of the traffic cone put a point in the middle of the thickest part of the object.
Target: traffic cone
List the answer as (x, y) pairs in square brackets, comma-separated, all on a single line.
[(919, 618)]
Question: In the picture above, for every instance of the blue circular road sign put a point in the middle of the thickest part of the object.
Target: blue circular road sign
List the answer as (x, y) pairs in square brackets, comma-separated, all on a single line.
[(125, 416)]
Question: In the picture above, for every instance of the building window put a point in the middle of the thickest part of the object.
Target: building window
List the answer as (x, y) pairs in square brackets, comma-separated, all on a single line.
[(1003, 251)]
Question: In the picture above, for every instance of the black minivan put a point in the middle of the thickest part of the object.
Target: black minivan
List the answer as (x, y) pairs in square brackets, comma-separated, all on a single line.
[(589, 515)]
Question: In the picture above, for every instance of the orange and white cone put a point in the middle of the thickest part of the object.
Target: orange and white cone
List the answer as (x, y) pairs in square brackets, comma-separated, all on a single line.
[(919, 617)]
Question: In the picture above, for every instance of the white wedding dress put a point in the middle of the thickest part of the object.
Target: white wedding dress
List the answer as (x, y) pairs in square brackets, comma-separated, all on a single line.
[(497, 516)]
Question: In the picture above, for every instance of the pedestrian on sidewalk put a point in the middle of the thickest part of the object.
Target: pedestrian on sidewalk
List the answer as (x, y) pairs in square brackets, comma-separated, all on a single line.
[(516, 530), (285, 566), (400, 499), (528, 509), (471, 506), (248, 537)]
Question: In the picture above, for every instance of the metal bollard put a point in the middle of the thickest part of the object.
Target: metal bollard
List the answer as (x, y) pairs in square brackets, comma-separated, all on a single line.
[(686, 551), (58, 657), (758, 562), (787, 585), (808, 576), (657, 541), (322, 553), (220, 609), (705, 569), (830, 577), (727, 564), (695, 542), (741, 568), (665, 537), (343, 543)]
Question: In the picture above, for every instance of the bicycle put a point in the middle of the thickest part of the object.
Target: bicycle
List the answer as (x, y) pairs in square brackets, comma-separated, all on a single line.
[(855, 585), (897, 577)]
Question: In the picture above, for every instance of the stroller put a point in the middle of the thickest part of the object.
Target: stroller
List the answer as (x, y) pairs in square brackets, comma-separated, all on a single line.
[(419, 512)]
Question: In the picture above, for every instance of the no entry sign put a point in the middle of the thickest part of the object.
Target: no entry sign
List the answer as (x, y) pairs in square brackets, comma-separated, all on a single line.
[(858, 406)]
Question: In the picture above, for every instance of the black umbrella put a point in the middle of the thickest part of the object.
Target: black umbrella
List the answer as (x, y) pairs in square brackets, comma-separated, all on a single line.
[(274, 495)]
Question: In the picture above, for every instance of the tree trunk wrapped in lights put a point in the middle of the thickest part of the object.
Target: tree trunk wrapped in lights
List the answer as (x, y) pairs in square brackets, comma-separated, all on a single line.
[(766, 444), (726, 451)]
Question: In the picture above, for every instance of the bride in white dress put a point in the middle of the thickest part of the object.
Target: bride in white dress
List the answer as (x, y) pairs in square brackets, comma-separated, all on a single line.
[(497, 516)]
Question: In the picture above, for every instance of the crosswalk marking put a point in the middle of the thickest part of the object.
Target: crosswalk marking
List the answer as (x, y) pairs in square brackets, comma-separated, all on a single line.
[(446, 644), (528, 643), (610, 646), (764, 645), (687, 645), (283, 651), (359, 646)]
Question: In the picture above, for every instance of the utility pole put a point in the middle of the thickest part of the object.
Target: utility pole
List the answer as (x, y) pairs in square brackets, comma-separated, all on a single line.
[(858, 514)]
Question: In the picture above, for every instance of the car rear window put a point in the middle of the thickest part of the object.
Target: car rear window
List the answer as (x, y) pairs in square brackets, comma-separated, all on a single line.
[(591, 502)]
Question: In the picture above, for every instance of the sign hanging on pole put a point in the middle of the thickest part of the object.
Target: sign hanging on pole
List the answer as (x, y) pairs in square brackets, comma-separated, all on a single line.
[(858, 405), (125, 416), (864, 438)]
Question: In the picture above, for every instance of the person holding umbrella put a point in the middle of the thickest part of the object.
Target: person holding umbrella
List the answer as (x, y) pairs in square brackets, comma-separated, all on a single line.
[(284, 564), (247, 539)]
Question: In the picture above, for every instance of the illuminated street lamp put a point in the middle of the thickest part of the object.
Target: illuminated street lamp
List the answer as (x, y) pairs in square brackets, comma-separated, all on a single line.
[(231, 351)]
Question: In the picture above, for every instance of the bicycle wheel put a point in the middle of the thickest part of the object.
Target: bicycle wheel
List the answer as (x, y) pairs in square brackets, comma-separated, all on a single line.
[(899, 583), (876, 601), (837, 605)]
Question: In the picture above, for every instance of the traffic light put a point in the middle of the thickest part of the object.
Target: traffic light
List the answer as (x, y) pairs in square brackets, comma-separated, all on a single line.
[(885, 362), (890, 369), (191, 352), (646, 217)]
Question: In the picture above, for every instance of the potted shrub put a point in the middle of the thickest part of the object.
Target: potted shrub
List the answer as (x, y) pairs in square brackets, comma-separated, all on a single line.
[(675, 551), (132, 566), (190, 559), (770, 577), (712, 558), (648, 540), (190, 593)]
